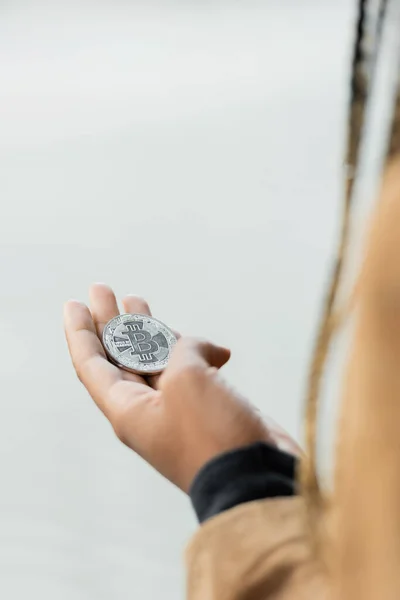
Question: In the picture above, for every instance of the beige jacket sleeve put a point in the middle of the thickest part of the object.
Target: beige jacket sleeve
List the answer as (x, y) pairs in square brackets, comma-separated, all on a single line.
[(255, 551)]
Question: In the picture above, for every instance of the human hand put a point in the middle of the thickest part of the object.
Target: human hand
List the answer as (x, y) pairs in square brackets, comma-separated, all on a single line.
[(176, 421)]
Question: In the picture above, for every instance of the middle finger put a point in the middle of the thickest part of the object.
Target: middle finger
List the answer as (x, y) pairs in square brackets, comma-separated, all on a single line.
[(103, 306)]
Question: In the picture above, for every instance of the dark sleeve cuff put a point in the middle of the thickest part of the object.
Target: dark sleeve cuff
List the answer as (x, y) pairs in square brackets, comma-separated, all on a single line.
[(251, 473)]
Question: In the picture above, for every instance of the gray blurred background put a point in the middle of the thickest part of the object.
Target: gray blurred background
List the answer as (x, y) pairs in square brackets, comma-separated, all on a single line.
[(189, 152)]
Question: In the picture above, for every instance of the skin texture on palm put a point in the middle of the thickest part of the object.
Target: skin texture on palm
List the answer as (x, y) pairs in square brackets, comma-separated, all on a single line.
[(176, 421)]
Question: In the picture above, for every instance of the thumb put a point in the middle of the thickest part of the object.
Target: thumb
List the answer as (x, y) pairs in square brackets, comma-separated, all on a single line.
[(197, 353)]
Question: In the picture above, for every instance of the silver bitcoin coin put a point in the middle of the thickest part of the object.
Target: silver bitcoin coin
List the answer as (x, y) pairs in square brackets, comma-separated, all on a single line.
[(138, 343)]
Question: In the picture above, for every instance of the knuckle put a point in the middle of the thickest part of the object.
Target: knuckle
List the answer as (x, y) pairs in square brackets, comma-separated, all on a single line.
[(82, 369)]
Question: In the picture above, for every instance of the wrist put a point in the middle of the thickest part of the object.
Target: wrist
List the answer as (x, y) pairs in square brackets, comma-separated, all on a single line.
[(249, 473)]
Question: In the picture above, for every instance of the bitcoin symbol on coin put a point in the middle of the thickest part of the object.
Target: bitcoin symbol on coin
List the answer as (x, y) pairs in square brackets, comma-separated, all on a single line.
[(138, 343), (142, 343)]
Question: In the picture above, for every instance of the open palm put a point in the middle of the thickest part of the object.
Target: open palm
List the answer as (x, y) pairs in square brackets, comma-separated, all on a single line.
[(178, 420)]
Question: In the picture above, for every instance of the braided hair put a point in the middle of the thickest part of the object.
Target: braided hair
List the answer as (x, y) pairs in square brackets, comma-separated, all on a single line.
[(363, 67)]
